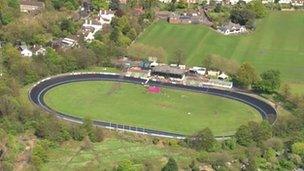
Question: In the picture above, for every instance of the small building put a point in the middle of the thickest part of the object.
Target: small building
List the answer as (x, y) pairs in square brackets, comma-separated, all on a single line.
[(173, 19), (85, 9), (231, 28), (69, 42), (24, 51), (213, 73), (168, 72), (106, 16), (30, 6), (297, 3), (165, 1), (145, 64), (123, 1), (2, 43), (90, 28), (185, 19), (284, 1), (38, 50), (163, 15), (222, 76), (198, 70), (64, 43), (153, 64)]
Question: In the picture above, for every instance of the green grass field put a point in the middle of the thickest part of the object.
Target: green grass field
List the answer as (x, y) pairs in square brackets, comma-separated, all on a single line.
[(133, 105), (277, 43), (105, 155)]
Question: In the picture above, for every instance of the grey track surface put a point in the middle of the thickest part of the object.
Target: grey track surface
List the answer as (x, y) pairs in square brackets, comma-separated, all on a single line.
[(36, 95)]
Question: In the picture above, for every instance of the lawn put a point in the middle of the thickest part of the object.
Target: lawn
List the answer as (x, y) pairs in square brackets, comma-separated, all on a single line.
[(171, 110), (277, 43)]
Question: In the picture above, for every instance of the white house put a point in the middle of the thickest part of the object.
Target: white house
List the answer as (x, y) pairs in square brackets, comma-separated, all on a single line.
[(24, 51), (284, 1), (233, 2), (106, 16), (89, 37), (38, 50), (199, 70), (222, 76), (297, 3), (231, 28), (69, 42)]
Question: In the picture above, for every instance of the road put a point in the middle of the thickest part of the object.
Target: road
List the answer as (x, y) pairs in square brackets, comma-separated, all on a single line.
[(38, 91)]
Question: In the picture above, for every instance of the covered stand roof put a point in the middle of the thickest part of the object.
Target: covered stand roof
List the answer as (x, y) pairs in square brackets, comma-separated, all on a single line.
[(168, 70)]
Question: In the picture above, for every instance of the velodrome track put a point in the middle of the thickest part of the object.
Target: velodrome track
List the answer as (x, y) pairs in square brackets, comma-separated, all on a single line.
[(38, 91)]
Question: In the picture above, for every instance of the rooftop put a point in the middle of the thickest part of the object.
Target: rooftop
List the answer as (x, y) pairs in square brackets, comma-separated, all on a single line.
[(168, 69)]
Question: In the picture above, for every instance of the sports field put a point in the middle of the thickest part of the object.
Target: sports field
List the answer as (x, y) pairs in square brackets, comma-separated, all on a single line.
[(170, 110), (277, 43)]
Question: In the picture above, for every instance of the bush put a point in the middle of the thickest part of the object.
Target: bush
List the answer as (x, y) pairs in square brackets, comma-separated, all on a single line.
[(241, 16), (298, 148), (171, 165), (243, 136), (203, 140), (126, 165), (99, 135), (229, 144), (39, 155)]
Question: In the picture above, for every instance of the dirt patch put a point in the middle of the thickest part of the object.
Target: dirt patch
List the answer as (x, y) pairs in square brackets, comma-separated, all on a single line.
[(23, 159), (114, 88), (164, 105)]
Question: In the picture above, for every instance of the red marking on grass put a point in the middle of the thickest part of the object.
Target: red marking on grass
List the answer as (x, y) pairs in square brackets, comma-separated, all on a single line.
[(154, 89)]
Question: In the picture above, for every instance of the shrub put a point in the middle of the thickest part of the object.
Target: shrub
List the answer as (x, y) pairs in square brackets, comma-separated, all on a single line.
[(171, 165), (203, 140)]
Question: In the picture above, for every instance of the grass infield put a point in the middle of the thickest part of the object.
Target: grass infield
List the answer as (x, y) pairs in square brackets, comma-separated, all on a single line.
[(277, 43), (171, 110)]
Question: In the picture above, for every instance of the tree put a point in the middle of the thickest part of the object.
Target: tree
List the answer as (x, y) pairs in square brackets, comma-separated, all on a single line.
[(100, 4), (182, 4), (39, 155), (216, 62), (270, 81), (243, 135), (114, 5), (68, 26), (171, 7), (246, 75), (203, 140), (148, 4), (261, 131), (218, 8), (171, 165), (229, 144), (286, 91), (258, 8), (88, 126), (179, 57), (274, 143), (241, 16), (101, 51), (298, 148)]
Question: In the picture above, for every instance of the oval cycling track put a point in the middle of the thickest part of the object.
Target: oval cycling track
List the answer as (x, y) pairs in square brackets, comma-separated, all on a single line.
[(38, 91)]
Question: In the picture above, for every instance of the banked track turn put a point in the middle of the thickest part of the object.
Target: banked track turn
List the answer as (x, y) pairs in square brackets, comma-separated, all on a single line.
[(38, 91)]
